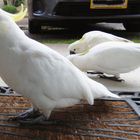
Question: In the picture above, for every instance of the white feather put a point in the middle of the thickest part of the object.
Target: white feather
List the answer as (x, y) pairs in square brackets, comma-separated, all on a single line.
[(91, 39), (110, 57), (47, 78)]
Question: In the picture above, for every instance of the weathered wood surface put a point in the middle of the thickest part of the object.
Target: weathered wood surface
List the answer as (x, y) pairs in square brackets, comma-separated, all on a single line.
[(105, 120)]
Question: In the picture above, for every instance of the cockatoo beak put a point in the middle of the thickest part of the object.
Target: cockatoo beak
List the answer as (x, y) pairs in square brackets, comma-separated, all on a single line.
[(72, 52), (72, 47), (20, 15)]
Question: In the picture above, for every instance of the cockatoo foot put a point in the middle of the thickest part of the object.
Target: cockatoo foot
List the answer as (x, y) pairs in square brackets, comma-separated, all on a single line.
[(30, 113), (38, 120), (94, 72), (114, 78)]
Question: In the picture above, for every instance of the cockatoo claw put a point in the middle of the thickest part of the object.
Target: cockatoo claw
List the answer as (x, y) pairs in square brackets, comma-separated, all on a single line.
[(30, 113), (38, 120), (114, 78), (92, 72)]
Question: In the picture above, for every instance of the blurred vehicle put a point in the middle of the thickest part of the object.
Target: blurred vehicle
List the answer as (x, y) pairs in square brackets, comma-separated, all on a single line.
[(79, 13)]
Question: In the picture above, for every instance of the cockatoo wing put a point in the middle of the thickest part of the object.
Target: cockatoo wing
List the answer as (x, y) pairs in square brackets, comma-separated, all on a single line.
[(114, 57), (54, 75)]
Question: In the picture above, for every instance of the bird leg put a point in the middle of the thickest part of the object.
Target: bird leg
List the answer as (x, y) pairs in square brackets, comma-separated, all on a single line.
[(94, 72), (114, 78), (38, 120), (30, 113)]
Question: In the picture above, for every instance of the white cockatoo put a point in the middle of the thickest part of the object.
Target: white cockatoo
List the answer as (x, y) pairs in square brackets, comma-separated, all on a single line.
[(111, 58), (39, 73), (91, 39)]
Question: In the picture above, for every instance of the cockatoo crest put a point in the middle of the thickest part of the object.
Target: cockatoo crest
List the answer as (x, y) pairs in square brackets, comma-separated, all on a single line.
[(15, 17)]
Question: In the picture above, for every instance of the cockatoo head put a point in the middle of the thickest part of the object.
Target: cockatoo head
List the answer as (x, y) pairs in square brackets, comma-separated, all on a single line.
[(82, 45), (8, 28), (5, 23), (4, 16), (78, 46)]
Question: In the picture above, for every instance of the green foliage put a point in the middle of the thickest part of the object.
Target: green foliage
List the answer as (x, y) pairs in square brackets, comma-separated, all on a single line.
[(9, 8), (18, 2), (13, 2)]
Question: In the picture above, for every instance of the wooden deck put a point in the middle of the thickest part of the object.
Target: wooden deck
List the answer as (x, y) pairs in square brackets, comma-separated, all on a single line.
[(106, 120)]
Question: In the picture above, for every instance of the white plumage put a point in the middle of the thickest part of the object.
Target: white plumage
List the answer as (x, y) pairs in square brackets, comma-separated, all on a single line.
[(91, 39), (47, 78), (111, 58)]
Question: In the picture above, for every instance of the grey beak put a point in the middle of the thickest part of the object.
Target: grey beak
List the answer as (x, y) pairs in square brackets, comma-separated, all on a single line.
[(72, 52)]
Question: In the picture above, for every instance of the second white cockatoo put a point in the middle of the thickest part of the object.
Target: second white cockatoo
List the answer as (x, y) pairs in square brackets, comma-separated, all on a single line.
[(91, 39), (41, 74), (113, 58)]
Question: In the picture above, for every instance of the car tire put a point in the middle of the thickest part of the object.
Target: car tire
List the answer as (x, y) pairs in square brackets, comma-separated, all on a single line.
[(132, 26), (34, 27)]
